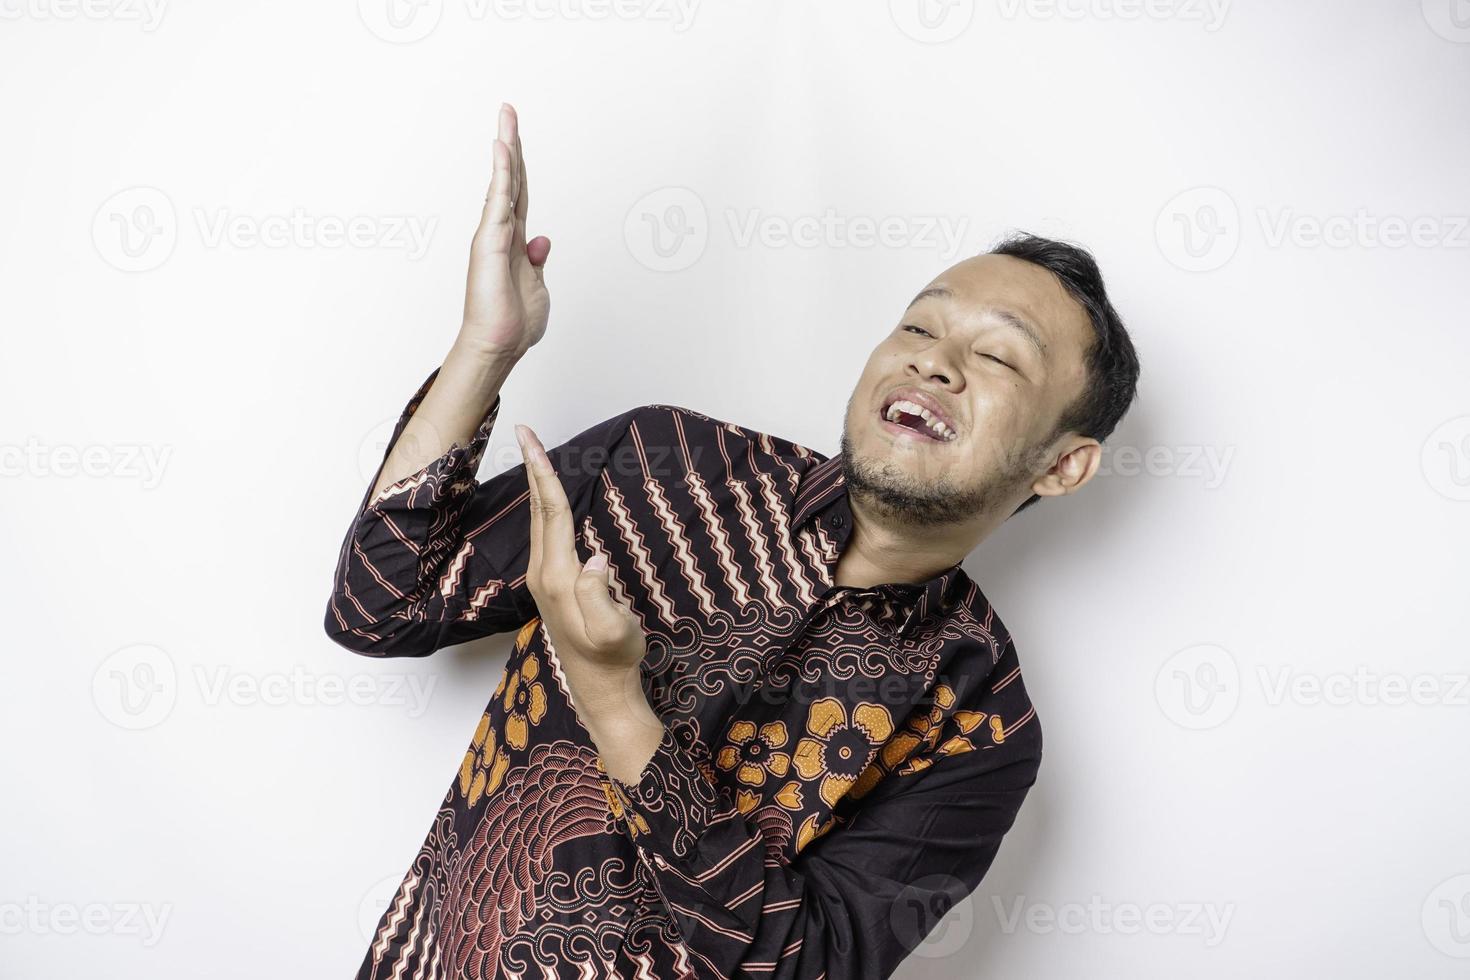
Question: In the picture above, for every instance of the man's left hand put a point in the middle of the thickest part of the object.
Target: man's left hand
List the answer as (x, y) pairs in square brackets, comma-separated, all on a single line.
[(599, 642)]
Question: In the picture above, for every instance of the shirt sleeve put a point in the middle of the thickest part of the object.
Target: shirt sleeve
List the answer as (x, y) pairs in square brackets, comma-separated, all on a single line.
[(861, 895), (437, 558)]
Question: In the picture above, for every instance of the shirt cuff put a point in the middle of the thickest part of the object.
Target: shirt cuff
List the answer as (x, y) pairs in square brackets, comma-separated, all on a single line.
[(674, 802), (453, 473)]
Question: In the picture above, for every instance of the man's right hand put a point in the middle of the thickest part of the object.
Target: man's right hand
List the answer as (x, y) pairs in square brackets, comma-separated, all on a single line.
[(505, 309), (506, 303)]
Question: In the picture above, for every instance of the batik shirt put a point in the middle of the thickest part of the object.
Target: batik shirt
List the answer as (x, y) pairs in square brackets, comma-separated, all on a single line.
[(838, 764)]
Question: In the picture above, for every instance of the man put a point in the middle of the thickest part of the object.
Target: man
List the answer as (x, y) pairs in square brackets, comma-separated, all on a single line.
[(757, 720)]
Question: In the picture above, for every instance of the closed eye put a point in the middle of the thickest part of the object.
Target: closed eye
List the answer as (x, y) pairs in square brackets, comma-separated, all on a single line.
[(914, 328)]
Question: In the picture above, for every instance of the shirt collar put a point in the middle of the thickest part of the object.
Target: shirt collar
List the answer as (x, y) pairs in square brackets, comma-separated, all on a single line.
[(822, 486), (818, 486)]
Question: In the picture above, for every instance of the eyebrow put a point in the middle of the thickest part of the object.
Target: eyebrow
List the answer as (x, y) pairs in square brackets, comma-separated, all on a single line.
[(1013, 320)]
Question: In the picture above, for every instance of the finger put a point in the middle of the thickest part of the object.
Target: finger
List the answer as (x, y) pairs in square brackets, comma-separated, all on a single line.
[(506, 131), (523, 189), (550, 512), (606, 622), (518, 169), (533, 562), (495, 228)]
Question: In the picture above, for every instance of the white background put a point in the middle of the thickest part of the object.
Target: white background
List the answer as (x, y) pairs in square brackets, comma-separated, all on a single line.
[(1213, 632)]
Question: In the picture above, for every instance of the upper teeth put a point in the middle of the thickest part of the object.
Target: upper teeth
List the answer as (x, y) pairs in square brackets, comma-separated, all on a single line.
[(930, 419)]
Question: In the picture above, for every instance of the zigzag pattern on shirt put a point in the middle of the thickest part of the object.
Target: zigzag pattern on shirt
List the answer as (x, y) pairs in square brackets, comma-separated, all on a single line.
[(396, 919), (449, 581), (595, 545), (411, 943), (793, 475), (759, 550), (777, 509), (432, 964), (638, 550), (683, 553), (814, 555), (482, 598), (719, 538)]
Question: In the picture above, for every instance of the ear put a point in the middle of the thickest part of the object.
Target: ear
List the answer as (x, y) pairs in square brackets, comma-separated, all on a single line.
[(1079, 460)]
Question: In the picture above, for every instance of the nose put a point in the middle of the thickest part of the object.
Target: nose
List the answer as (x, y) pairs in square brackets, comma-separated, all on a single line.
[(936, 365)]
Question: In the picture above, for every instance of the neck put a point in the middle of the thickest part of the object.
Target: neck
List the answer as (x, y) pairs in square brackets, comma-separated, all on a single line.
[(880, 550)]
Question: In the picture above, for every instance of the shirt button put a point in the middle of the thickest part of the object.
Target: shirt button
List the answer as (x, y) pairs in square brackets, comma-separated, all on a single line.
[(835, 520)]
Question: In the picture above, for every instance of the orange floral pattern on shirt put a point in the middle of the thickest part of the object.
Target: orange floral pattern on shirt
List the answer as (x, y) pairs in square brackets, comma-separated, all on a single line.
[(484, 765), (913, 748), (524, 696), (837, 745)]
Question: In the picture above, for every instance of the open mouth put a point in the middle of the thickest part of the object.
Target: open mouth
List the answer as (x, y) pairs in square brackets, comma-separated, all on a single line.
[(910, 417)]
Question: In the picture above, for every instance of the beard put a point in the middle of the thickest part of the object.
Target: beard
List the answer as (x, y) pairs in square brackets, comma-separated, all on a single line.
[(903, 499)]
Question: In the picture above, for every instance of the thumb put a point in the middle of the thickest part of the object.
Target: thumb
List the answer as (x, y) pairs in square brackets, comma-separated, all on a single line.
[(537, 250), (606, 622)]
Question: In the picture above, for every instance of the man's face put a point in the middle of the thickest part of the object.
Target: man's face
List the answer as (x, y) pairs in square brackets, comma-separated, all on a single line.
[(993, 351)]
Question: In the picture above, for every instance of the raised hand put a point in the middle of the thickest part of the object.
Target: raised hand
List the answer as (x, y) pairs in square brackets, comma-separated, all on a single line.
[(506, 304), (573, 598), (598, 641)]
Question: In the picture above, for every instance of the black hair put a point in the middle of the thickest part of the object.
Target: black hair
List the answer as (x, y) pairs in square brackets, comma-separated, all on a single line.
[(1111, 361)]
